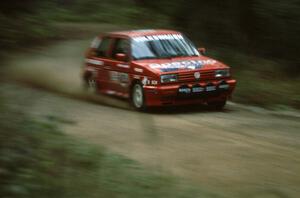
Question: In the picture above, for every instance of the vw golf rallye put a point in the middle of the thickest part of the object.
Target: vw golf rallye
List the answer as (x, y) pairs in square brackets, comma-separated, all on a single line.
[(156, 68)]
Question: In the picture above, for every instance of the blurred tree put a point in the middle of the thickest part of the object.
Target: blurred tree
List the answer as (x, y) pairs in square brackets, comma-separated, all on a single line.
[(14, 7)]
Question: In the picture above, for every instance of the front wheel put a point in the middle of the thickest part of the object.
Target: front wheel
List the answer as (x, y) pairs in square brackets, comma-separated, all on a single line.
[(137, 97), (219, 105)]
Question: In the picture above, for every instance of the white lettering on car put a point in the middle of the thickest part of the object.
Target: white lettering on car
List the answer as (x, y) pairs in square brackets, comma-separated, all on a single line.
[(94, 62), (192, 65), (123, 65), (158, 37), (138, 70), (154, 82), (110, 92), (145, 81)]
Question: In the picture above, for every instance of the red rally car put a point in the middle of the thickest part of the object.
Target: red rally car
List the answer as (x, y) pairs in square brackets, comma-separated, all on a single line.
[(156, 68)]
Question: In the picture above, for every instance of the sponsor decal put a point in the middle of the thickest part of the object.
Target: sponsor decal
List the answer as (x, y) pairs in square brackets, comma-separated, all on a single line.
[(143, 30), (158, 37), (185, 90), (94, 62), (190, 65), (139, 70), (121, 78), (211, 88), (114, 76), (225, 86), (110, 92), (145, 81), (123, 65), (154, 82), (197, 89)]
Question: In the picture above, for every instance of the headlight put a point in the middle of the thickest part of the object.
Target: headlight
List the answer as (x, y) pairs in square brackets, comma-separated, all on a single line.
[(168, 78), (222, 73)]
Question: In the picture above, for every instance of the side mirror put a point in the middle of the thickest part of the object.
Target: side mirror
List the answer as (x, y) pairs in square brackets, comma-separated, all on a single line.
[(202, 50), (121, 57)]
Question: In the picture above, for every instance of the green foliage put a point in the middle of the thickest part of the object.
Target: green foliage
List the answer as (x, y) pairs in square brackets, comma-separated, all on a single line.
[(31, 21), (37, 160), (105, 11), (261, 81), (17, 31)]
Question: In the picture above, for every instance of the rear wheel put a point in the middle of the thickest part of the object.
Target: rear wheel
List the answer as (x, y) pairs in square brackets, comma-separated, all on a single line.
[(218, 105), (137, 97), (90, 84)]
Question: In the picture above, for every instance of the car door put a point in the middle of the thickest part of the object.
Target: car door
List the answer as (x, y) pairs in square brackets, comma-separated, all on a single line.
[(120, 68), (101, 61)]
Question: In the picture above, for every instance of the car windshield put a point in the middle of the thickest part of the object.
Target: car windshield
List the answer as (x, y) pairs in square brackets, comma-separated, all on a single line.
[(162, 46)]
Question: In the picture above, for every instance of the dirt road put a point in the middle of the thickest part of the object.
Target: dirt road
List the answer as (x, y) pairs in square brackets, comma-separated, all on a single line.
[(240, 152)]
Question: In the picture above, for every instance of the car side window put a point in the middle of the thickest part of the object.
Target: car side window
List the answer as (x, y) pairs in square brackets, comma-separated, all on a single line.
[(121, 46), (104, 47)]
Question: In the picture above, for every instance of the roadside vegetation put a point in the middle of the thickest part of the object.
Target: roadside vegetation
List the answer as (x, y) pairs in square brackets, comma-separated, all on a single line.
[(38, 160), (261, 81)]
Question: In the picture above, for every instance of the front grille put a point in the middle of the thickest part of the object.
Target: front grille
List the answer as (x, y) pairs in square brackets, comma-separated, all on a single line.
[(189, 76)]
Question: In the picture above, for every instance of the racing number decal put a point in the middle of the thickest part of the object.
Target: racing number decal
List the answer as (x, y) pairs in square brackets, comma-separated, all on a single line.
[(119, 78)]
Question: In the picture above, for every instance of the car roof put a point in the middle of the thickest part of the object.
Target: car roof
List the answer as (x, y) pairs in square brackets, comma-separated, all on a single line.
[(142, 32)]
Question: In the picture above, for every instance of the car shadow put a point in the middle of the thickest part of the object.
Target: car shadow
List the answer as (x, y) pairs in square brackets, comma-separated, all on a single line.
[(181, 109), (191, 109)]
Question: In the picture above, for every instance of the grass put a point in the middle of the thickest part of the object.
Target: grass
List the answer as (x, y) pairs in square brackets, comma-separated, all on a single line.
[(38, 160)]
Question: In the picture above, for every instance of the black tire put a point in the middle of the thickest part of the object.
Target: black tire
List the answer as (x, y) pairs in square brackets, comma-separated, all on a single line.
[(137, 97), (219, 105), (90, 84)]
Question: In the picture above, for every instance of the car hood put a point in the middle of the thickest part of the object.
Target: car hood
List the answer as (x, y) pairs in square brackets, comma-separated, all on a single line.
[(181, 64)]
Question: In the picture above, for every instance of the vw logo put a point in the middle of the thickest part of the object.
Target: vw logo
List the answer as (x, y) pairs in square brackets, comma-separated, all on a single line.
[(197, 75)]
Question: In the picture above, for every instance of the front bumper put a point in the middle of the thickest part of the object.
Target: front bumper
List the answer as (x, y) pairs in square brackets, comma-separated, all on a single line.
[(189, 93)]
